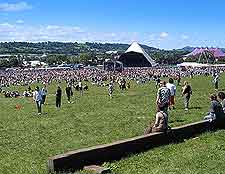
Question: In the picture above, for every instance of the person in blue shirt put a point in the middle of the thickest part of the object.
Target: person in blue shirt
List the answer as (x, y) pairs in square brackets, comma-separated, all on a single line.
[(37, 96)]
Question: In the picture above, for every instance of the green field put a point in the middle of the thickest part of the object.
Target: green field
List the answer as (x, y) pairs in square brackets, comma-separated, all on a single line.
[(27, 140)]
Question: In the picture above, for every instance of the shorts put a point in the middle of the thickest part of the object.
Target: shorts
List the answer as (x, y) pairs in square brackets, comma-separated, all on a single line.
[(163, 106), (172, 100)]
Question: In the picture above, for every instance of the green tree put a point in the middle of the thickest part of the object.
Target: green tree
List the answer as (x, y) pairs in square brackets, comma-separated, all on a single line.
[(4, 63), (51, 60), (84, 58)]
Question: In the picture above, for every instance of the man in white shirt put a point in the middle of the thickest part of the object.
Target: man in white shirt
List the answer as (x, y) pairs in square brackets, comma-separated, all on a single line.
[(172, 89), (216, 81), (37, 96), (110, 89), (80, 87)]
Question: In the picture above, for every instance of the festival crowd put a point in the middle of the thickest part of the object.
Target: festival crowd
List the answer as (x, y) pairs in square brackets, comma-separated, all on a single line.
[(75, 78)]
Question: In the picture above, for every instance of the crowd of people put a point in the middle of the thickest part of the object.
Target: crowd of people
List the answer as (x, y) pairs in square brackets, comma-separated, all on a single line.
[(11, 94), (24, 77), (39, 95), (74, 78), (165, 100)]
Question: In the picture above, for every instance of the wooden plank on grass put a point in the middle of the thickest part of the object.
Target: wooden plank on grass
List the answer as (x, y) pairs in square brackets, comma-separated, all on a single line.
[(76, 160)]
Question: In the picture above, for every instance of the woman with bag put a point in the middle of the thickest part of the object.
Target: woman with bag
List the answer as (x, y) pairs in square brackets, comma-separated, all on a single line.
[(160, 124)]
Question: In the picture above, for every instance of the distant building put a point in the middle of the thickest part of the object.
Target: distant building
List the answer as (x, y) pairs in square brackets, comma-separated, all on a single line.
[(111, 52), (34, 63), (43, 56), (5, 55)]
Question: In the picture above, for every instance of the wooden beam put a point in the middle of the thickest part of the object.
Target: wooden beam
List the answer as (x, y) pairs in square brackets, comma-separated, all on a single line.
[(76, 160)]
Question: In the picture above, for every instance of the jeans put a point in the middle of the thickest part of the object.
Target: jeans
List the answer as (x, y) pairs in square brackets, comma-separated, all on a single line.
[(68, 97), (58, 102), (43, 99), (186, 100), (39, 106), (216, 85)]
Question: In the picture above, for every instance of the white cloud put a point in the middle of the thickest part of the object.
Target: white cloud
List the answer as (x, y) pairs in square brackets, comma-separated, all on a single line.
[(19, 6), (7, 25), (113, 34), (183, 36), (19, 21), (62, 29), (52, 27), (62, 33), (17, 32), (5, 28), (163, 35)]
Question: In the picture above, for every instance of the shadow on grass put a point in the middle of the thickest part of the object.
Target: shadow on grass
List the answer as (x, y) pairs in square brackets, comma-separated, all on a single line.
[(177, 121), (196, 107), (42, 114)]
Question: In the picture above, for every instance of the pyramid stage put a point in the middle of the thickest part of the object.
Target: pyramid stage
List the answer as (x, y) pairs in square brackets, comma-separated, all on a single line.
[(135, 56)]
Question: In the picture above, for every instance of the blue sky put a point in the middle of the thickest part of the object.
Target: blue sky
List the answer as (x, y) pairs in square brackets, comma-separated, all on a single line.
[(158, 23)]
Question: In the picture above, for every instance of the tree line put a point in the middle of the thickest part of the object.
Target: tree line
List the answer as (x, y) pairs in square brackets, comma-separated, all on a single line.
[(71, 53)]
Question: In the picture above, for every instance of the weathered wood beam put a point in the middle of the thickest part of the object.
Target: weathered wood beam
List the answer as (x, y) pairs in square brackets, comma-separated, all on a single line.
[(75, 160)]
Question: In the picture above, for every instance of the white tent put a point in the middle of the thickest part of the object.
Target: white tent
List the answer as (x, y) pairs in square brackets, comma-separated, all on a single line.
[(135, 47), (192, 64)]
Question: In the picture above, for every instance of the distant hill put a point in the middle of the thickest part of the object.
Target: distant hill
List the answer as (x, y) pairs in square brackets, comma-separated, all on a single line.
[(187, 48), (74, 48), (64, 48), (74, 51)]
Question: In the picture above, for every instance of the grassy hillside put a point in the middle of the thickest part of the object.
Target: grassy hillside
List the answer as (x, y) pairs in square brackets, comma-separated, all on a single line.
[(27, 140), (204, 154)]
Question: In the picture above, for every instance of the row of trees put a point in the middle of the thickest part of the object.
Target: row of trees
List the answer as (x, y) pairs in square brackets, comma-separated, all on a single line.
[(168, 57), (71, 53), (93, 59), (59, 52), (11, 62), (54, 59), (59, 59)]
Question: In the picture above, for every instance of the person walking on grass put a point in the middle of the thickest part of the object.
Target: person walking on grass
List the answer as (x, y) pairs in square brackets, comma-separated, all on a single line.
[(157, 81), (178, 80), (44, 94), (110, 89), (163, 97), (172, 89), (37, 96), (58, 97), (69, 92), (186, 93), (216, 81), (80, 85), (221, 96)]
